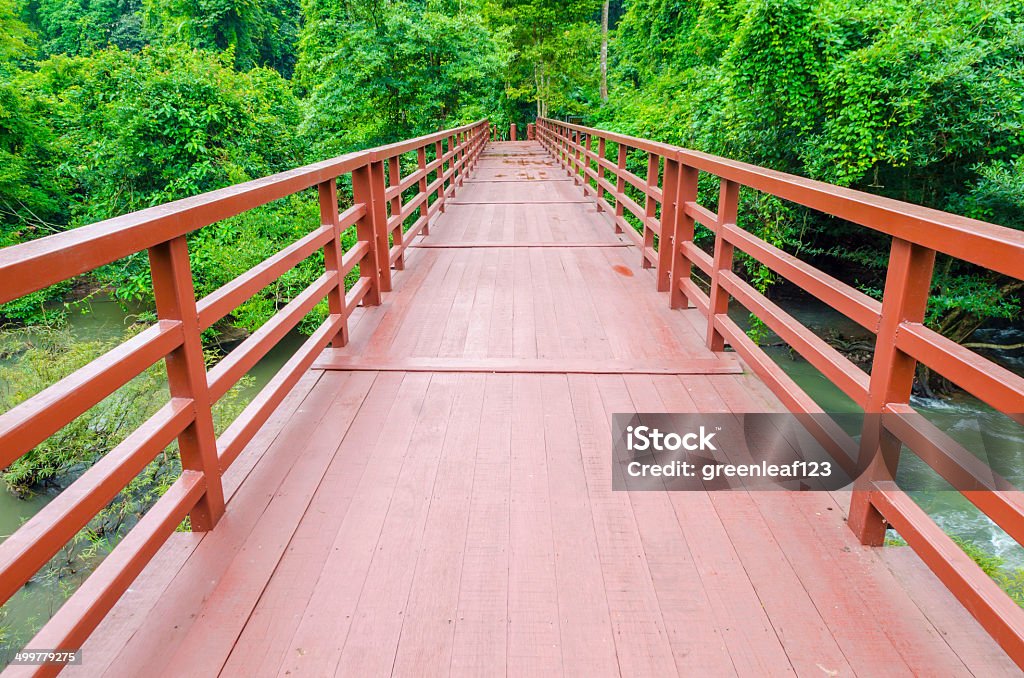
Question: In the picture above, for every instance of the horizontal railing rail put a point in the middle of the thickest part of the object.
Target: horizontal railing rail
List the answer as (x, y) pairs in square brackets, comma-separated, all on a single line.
[(665, 234), (175, 337)]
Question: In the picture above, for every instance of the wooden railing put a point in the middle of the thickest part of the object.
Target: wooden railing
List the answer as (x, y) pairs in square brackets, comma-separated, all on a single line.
[(378, 215), (665, 236)]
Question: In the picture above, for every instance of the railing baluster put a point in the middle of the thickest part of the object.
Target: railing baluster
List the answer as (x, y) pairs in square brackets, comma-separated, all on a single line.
[(175, 299), (577, 166), (682, 231), (421, 161), (451, 161), (463, 136), (369, 190), (398, 235), (439, 173), (620, 188), (905, 299), (650, 208), (328, 193), (667, 224), (728, 202), (586, 163)]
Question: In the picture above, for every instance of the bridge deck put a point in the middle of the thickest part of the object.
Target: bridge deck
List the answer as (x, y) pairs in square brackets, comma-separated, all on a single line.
[(435, 499)]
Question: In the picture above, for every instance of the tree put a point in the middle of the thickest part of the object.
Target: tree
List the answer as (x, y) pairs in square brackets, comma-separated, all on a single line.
[(604, 51), (257, 33), (81, 26), (375, 73)]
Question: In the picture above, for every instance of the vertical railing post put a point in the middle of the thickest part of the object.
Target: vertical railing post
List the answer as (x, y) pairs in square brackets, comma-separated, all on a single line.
[(512, 132), (908, 282), (728, 205), (368, 188), (456, 155), (600, 173), (682, 232), (564, 138), (451, 164), (175, 299), (650, 208), (620, 188), (586, 163), (398, 234), (577, 154), (439, 173), (462, 158), (328, 193), (421, 162), (667, 242)]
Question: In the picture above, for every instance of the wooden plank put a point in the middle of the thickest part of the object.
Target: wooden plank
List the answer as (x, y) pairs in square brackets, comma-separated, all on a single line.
[(131, 610), (315, 642), (585, 627), (524, 322), (428, 621), (239, 470), (697, 631), (549, 341), (481, 622), (477, 333), (488, 245), (502, 326), (380, 325), (152, 645), (220, 620), (534, 640), (365, 559), (973, 645), (753, 645), (372, 640), (262, 644), (755, 522), (641, 639), (339, 361), (457, 319)]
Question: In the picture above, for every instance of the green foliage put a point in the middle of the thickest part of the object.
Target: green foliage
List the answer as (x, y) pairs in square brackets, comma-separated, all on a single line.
[(380, 72), (181, 122), (47, 358), (916, 101), (551, 65), (255, 33), (77, 27), (42, 357), (14, 35)]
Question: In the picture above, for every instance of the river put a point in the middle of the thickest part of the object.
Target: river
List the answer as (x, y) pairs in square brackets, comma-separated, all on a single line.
[(964, 417), (25, 612)]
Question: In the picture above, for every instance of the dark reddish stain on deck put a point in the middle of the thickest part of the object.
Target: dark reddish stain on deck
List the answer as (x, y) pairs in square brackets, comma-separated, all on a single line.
[(623, 270)]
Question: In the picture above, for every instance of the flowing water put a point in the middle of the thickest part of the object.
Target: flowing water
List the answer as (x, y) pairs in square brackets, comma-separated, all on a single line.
[(36, 602), (971, 422), (967, 420)]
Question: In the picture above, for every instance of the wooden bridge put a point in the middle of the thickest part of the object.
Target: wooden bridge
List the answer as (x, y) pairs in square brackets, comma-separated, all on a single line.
[(431, 493)]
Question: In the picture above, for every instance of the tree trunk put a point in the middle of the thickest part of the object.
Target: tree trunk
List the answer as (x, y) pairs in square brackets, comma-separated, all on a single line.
[(604, 51)]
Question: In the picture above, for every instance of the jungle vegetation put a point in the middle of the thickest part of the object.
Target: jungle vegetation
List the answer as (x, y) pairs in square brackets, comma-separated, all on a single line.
[(109, 106)]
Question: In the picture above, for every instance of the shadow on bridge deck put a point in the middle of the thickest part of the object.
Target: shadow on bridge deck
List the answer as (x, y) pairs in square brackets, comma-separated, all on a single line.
[(435, 498)]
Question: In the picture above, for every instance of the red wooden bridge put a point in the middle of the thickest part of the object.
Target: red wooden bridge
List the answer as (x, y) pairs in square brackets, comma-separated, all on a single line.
[(430, 494)]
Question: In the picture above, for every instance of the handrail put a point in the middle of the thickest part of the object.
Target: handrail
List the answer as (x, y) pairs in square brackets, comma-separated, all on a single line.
[(918, 233), (162, 231)]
